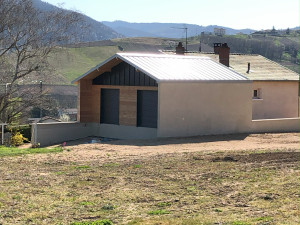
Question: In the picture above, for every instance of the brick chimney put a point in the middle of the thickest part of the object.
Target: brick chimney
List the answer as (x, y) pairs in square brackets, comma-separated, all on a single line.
[(180, 49), (223, 50), (217, 47)]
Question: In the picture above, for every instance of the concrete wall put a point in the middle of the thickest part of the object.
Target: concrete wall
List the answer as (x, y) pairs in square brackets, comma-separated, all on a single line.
[(54, 133), (125, 132), (187, 109), (275, 125), (278, 99)]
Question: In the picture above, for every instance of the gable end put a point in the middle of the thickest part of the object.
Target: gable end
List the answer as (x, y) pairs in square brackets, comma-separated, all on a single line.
[(124, 74)]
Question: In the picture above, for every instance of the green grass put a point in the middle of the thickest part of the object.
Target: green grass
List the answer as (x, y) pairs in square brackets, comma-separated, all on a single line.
[(158, 212), (82, 167), (13, 151), (73, 62)]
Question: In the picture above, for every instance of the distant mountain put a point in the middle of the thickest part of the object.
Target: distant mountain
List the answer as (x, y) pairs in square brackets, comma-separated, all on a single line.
[(96, 30), (170, 30), (295, 28)]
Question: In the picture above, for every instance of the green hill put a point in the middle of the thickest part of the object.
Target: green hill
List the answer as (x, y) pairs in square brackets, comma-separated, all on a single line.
[(73, 62)]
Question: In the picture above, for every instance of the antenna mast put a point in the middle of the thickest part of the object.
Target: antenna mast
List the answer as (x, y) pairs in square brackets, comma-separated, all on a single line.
[(186, 41)]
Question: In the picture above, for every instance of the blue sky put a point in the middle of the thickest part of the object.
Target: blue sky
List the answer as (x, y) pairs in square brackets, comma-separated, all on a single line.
[(255, 14)]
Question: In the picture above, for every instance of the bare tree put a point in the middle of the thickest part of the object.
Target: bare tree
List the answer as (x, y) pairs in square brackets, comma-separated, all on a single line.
[(27, 37)]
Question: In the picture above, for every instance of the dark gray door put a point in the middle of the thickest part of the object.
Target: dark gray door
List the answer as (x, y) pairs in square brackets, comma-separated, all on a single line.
[(109, 106), (147, 109)]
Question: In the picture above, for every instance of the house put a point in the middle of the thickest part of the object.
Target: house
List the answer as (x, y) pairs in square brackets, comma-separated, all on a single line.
[(155, 95), (275, 89), (135, 96), (219, 31)]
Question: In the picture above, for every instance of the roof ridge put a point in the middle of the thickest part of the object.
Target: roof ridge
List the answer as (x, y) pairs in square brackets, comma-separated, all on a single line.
[(157, 55)]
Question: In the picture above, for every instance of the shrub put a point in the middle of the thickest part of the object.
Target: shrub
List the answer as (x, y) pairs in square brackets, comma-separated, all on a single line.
[(25, 130), (17, 139), (108, 207)]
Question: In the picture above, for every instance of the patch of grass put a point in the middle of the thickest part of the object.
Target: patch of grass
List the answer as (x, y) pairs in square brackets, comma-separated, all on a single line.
[(110, 164), (137, 166), (86, 203), (82, 167), (97, 222), (13, 151), (158, 212), (218, 210), (16, 197), (108, 207), (163, 204)]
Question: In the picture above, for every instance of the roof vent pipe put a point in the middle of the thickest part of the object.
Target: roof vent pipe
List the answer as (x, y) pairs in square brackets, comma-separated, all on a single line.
[(248, 71)]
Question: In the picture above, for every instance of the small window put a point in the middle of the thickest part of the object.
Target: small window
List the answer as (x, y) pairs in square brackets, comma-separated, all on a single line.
[(257, 94)]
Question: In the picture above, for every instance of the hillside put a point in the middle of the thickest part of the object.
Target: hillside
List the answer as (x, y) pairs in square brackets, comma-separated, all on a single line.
[(170, 30), (95, 30)]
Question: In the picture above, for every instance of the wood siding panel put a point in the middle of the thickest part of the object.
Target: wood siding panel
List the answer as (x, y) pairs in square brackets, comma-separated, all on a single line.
[(86, 100), (90, 100), (128, 106)]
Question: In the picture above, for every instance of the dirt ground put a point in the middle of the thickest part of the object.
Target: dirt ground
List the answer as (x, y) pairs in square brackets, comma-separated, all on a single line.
[(224, 179), (83, 150)]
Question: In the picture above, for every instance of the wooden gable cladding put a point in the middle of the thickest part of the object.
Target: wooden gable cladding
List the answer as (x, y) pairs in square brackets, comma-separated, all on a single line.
[(124, 74), (89, 102), (89, 99)]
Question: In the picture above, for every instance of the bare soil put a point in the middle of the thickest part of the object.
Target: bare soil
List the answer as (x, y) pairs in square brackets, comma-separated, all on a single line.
[(82, 150)]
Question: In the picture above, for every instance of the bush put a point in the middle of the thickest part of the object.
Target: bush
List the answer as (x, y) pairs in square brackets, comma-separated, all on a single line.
[(97, 222), (17, 139), (25, 130)]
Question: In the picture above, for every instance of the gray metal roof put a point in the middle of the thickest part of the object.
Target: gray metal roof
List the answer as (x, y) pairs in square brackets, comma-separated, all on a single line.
[(180, 68), (164, 68)]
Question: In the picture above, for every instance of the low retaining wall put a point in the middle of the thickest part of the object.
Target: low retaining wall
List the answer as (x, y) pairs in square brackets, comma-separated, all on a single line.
[(275, 125), (54, 133)]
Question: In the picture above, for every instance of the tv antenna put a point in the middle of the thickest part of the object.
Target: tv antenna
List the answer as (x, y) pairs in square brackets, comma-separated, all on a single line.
[(183, 28)]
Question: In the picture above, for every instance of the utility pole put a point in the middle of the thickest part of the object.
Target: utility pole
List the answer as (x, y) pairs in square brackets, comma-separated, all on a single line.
[(186, 41)]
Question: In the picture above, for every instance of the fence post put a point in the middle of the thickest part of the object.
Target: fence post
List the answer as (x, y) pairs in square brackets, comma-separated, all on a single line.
[(2, 132)]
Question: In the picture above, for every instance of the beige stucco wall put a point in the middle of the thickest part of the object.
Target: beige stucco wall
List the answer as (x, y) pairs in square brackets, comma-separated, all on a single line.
[(279, 99), (187, 109), (275, 125)]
